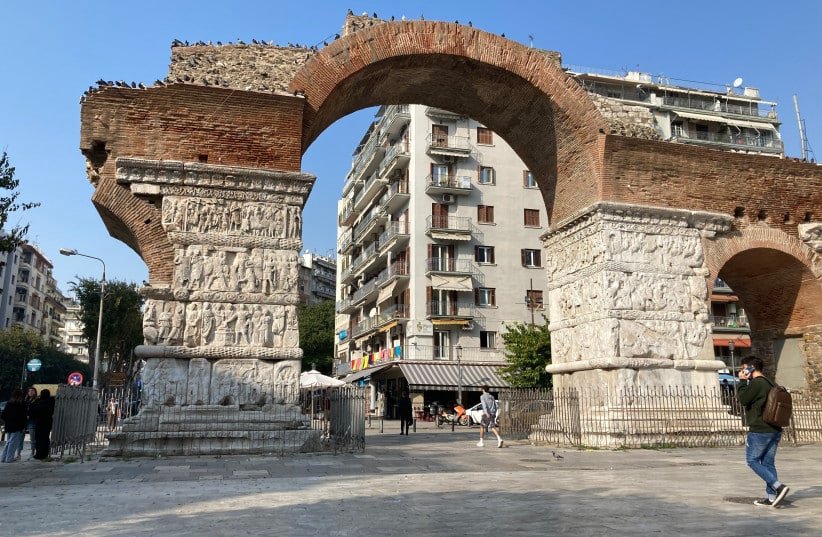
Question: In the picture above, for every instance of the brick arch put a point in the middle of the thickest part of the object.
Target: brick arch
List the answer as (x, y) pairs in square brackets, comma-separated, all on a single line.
[(777, 278), (521, 93)]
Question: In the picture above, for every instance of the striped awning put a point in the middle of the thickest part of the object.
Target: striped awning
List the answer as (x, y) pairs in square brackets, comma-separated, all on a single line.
[(446, 376), (353, 377)]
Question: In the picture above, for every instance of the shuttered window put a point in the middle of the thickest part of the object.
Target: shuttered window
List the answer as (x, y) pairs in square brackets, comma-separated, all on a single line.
[(485, 136), (485, 214), (532, 217)]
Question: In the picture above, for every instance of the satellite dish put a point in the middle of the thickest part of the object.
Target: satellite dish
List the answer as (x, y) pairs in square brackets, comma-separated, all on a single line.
[(737, 82)]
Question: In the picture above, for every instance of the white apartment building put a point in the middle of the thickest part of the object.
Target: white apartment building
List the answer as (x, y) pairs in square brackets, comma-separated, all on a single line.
[(318, 278), (9, 267), (439, 247), (74, 342)]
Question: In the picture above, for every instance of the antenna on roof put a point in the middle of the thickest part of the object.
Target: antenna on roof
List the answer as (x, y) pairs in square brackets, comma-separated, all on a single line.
[(803, 134), (737, 82)]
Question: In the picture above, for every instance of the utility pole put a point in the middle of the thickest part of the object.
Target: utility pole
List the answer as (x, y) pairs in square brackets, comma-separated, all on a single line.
[(803, 137)]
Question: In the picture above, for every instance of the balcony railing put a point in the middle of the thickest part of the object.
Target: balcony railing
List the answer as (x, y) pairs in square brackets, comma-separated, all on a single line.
[(445, 264), (365, 256), (390, 117), (456, 143), (392, 230), (735, 139), (346, 240), (397, 190), (448, 183), (448, 308), (393, 312), (394, 153), (731, 321), (751, 110), (449, 223), (364, 291), (348, 213)]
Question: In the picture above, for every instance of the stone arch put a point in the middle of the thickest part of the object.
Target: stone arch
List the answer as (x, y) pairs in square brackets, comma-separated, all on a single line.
[(521, 93), (779, 283)]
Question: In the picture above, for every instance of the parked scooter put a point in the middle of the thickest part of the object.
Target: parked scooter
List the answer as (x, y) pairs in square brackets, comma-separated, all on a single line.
[(456, 415)]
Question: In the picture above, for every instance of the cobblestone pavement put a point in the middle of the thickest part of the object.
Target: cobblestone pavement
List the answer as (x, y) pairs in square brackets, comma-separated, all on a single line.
[(433, 482)]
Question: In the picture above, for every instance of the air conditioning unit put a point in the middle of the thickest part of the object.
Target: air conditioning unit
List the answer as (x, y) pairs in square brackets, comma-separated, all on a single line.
[(448, 198)]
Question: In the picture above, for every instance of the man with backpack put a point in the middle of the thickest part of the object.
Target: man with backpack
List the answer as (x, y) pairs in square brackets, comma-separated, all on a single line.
[(763, 438)]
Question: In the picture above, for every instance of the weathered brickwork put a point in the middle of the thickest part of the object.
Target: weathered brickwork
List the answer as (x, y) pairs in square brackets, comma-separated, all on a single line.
[(625, 119), (179, 122)]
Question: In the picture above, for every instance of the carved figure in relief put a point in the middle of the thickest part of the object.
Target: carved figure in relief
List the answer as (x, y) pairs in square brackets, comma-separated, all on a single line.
[(182, 270), (236, 218), (196, 266), (209, 324), (242, 328), (257, 328), (199, 377), (267, 336), (164, 326), (191, 334), (279, 223), (177, 324), (269, 273), (278, 326)]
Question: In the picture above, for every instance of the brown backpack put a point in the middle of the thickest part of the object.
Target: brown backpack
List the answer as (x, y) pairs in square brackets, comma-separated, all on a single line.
[(778, 406)]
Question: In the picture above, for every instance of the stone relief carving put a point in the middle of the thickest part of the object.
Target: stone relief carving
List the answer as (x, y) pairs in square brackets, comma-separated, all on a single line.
[(811, 234), (241, 382), (199, 381), (210, 215), (164, 381)]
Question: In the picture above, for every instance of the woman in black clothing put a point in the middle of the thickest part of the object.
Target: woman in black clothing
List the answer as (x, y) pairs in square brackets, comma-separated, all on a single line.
[(42, 412), (31, 397), (14, 416)]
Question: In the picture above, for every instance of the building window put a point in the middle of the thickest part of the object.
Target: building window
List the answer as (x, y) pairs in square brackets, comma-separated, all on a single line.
[(531, 258), (702, 132), (442, 344), (532, 217), (533, 299), (486, 175), (485, 136), (528, 180), (484, 254), (485, 296), (676, 129), (488, 340), (485, 214)]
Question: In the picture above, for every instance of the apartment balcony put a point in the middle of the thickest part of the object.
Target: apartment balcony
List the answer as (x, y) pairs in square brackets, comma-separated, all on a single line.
[(396, 157), (444, 265), (731, 323), (396, 196), (372, 187), (451, 146), (367, 258), (457, 185), (345, 306), (364, 327), (395, 237), (721, 287), (750, 109), (347, 275), (346, 242), (738, 141), (365, 293), (369, 225), (348, 213), (394, 312), (452, 310), (393, 120), (433, 111), (396, 271), (352, 182), (435, 352), (449, 228)]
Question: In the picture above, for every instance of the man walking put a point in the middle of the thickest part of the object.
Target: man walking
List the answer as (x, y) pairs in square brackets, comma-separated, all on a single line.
[(763, 439), (489, 417)]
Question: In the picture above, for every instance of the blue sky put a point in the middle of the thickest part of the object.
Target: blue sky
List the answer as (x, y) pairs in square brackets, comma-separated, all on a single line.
[(52, 52)]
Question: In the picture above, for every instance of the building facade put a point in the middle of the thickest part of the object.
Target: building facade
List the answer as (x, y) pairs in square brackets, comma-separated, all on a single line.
[(74, 342), (318, 278), (9, 267), (37, 303), (439, 243)]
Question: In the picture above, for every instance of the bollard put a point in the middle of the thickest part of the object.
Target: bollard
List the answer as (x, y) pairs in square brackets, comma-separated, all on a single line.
[(382, 424), (415, 425), (453, 422)]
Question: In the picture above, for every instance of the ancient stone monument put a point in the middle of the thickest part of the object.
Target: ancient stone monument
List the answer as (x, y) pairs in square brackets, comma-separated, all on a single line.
[(201, 175)]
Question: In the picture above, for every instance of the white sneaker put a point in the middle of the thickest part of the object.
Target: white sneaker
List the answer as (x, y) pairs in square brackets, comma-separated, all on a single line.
[(499, 442), (480, 443)]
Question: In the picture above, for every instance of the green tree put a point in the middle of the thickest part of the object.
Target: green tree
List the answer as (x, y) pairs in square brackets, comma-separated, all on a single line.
[(122, 323), (12, 238), (18, 346), (527, 352), (317, 335)]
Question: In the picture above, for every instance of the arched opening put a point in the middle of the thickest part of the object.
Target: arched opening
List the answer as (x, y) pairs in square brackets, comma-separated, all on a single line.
[(780, 297)]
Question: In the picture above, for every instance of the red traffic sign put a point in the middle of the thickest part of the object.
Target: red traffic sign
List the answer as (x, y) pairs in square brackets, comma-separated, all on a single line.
[(75, 379)]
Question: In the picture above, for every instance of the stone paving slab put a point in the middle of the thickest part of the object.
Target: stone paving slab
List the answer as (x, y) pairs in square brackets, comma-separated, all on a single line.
[(431, 483)]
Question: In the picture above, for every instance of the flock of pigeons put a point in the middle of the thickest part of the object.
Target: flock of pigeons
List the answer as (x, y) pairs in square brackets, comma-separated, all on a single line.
[(187, 79)]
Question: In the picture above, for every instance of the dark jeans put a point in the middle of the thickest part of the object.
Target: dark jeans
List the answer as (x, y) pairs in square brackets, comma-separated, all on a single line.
[(405, 423), (42, 441), (760, 454)]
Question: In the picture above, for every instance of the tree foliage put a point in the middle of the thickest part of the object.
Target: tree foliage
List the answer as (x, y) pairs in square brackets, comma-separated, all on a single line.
[(317, 335), (527, 351), (11, 238), (122, 323), (18, 346)]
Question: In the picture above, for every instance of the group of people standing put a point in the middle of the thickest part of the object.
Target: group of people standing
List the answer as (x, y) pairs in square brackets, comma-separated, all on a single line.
[(31, 413)]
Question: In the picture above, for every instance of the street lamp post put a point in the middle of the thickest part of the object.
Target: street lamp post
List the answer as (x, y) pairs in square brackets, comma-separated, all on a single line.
[(733, 368), (71, 251), (459, 374)]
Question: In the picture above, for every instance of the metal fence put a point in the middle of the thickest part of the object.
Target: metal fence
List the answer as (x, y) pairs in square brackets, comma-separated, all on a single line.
[(328, 420), (642, 417)]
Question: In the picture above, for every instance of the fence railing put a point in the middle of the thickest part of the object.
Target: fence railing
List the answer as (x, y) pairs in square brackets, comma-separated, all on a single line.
[(330, 419), (643, 417)]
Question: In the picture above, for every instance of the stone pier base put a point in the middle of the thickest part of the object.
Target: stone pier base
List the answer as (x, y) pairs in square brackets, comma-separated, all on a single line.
[(214, 430)]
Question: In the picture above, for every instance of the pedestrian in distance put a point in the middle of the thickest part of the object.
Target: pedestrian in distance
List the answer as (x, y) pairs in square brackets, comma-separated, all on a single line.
[(406, 413), (490, 409), (763, 439), (43, 413), (14, 415), (31, 397)]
